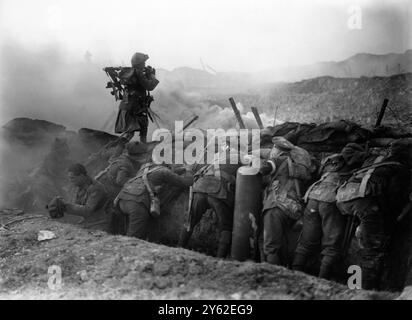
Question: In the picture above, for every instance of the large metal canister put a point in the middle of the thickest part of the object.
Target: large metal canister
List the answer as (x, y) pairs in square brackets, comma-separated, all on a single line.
[(248, 204)]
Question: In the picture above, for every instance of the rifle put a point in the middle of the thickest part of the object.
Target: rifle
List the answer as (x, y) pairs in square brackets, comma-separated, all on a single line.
[(350, 228), (189, 209), (381, 113)]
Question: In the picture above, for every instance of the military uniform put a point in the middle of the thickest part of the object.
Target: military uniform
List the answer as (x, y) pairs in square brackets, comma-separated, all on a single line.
[(214, 188), (133, 109), (282, 205), (323, 224), (89, 202), (374, 194), (113, 178), (117, 173), (134, 198)]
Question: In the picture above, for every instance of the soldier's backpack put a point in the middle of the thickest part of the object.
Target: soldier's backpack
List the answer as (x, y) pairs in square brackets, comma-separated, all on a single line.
[(300, 164), (356, 187)]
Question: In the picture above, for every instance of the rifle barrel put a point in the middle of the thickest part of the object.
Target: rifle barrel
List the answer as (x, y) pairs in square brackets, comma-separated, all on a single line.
[(381, 113)]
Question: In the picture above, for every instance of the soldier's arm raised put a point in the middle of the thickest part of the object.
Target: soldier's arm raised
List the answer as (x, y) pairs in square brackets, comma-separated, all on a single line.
[(149, 83)]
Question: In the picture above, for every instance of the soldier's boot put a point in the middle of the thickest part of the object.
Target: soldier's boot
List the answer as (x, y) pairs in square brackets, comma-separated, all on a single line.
[(184, 238), (299, 262), (371, 275), (225, 241), (326, 268), (273, 259)]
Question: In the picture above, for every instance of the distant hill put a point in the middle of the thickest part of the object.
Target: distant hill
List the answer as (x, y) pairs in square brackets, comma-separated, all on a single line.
[(359, 65), (327, 98)]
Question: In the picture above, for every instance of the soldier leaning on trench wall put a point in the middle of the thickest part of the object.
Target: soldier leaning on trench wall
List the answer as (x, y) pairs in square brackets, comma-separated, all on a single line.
[(376, 195)]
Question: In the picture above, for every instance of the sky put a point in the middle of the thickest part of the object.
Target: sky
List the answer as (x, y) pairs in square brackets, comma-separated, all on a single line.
[(238, 35)]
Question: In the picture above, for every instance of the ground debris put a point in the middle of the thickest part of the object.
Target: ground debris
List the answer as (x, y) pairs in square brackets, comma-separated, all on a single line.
[(113, 267)]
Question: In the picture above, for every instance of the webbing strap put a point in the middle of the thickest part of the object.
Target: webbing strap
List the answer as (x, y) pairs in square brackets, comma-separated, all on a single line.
[(365, 179), (377, 165), (146, 182)]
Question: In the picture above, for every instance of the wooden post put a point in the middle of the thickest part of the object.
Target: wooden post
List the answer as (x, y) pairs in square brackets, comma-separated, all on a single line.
[(257, 117), (237, 113), (190, 122), (276, 113), (381, 113)]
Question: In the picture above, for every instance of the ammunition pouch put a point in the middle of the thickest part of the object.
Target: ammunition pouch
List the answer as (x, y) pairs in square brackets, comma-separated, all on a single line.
[(324, 189), (349, 191)]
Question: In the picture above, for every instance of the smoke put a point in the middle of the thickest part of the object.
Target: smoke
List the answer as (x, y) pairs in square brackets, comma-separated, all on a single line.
[(47, 84), (173, 102)]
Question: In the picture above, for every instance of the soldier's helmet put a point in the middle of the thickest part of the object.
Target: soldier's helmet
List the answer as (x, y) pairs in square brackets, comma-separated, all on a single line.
[(138, 59), (282, 144), (402, 148), (354, 154), (266, 133)]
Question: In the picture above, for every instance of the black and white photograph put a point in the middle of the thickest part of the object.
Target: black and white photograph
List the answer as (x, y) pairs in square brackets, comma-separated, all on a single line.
[(206, 156)]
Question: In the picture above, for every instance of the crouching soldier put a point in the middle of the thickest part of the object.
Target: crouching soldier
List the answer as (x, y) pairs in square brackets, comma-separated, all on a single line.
[(214, 188), (323, 224), (115, 175), (288, 170), (89, 200), (139, 197), (375, 195)]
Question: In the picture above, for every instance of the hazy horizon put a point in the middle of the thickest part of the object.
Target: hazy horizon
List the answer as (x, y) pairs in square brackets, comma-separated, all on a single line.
[(229, 36)]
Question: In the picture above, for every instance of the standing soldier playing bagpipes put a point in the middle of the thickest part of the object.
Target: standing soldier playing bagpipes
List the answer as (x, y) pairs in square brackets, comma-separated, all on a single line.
[(131, 85)]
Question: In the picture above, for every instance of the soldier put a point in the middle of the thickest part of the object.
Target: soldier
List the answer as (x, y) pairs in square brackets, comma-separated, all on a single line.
[(138, 199), (323, 224), (134, 108), (287, 168), (89, 200), (115, 175), (375, 194), (214, 188), (98, 161)]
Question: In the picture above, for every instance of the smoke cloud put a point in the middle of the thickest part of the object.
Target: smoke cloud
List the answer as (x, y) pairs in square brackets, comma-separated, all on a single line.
[(48, 84)]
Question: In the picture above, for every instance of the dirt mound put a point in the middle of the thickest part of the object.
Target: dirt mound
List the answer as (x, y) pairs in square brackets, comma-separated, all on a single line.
[(95, 265), (31, 132)]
